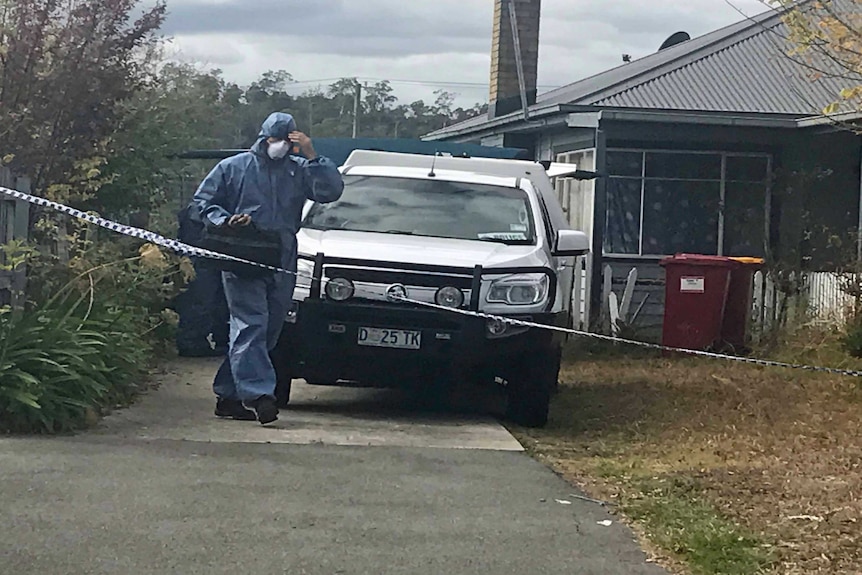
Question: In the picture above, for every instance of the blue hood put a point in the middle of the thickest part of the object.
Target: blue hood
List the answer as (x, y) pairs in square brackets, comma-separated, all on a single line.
[(277, 125), (272, 192)]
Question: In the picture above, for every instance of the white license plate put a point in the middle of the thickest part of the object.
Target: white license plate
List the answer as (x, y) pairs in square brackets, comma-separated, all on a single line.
[(392, 338)]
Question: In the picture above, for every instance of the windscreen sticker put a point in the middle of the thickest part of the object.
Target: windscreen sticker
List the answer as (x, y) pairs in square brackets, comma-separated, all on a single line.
[(518, 227), (503, 236)]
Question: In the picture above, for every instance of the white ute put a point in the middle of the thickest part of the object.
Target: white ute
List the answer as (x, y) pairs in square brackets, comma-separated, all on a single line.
[(480, 235)]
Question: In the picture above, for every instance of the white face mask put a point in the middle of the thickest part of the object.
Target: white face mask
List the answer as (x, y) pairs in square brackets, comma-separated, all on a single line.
[(278, 150)]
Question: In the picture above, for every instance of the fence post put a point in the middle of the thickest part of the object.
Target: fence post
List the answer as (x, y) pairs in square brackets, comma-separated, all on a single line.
[(757, 306), (577, 295), (14, 224)]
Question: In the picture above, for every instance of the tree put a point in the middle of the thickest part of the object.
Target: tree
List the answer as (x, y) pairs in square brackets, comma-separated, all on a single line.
[(264, 96), (65, 70), (378, 119), (184, 108), (826, 38), (379, 98), (444, 102)]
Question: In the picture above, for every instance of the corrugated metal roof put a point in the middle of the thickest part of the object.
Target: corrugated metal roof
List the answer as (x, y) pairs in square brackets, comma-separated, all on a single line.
[(742, 68), (751, 75)]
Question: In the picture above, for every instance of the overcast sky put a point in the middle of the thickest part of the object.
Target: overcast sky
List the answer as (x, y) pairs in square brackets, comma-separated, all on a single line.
[(424, 45)]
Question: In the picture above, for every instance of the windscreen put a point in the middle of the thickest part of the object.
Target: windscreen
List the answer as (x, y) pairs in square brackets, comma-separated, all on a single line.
[(427, 207)]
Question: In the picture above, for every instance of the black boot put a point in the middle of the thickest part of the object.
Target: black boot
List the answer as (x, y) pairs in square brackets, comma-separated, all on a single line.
[(265, 408), (233, 409)]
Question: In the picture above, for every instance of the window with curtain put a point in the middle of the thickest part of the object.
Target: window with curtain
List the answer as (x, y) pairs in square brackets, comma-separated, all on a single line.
[(664, 202)]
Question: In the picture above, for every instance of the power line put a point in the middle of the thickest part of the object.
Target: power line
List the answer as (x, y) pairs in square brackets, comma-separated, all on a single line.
[(414, 82)]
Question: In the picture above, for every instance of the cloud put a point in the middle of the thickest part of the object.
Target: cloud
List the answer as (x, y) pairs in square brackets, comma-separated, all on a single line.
[(211, 51), (340, 26), (445, 42), (638, 18)]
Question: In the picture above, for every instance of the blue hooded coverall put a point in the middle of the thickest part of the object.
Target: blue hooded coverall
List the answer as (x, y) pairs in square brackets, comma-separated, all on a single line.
[(273, 193)]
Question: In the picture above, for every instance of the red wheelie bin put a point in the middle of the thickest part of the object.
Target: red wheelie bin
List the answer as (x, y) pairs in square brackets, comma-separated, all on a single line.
[(696, 292), (737, 312)]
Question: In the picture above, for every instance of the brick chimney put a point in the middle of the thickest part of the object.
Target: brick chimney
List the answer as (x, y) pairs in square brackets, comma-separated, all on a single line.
[(505, 94)]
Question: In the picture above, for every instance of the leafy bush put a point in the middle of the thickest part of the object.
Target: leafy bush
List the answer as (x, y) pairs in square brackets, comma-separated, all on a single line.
[(852, 337), (66, 359), (58, 368)]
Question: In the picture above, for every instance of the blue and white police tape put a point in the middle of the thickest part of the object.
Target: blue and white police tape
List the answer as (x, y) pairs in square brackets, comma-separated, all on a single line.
[(598, 336), (188, 250), (152, 237)]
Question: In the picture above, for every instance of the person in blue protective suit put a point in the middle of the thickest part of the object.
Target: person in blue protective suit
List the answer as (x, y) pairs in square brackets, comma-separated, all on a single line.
[(268, 187), (202, 307)]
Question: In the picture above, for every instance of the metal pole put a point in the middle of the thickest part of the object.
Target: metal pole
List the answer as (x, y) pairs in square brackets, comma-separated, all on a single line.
[(859, 229), (356, 102), (722, 204), (595, 280), (767, 219), (516, 37)]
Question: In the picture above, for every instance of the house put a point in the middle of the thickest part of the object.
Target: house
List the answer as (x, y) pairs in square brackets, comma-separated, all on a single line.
[(711, 145)]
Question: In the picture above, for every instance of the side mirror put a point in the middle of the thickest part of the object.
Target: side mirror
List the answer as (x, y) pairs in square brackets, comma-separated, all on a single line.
[(571, 243)]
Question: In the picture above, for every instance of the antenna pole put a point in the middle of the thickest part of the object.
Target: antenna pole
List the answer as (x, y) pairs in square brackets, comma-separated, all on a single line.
[(432, 174), (516, 36), (357, 98)]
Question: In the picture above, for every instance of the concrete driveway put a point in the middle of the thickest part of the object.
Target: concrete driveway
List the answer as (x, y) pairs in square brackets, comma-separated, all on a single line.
[(348, 481)]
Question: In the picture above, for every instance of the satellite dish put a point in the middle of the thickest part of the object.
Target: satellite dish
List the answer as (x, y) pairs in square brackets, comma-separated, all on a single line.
[(675, 39)]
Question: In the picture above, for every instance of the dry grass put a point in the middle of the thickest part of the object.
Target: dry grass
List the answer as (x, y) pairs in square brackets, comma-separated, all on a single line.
[(725, 468)]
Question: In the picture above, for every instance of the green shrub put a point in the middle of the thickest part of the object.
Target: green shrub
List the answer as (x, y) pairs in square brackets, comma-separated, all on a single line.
[(57, 368), (66, 359)]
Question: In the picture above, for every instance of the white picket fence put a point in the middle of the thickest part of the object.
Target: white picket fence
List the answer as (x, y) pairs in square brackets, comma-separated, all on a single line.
[(580, 293), (820, 300), (826, 301)]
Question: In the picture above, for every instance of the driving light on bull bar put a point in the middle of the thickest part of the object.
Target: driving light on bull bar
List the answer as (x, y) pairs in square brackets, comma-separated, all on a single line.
[(496, 328), (449, 297), (523, 289), (339, 289)]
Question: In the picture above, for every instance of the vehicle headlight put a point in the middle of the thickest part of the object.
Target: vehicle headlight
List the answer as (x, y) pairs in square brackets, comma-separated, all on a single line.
[(339, 289), (449, 297), (304, 273), (525, 289)]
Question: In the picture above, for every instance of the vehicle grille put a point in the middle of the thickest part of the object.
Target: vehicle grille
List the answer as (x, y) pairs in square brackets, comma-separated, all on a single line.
[(399, 277)]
